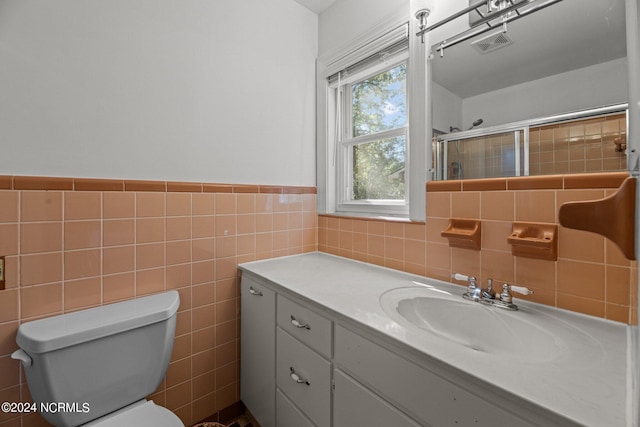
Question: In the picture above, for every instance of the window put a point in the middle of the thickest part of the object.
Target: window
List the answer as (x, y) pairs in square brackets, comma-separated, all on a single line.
[(371, 132), (372, 124)]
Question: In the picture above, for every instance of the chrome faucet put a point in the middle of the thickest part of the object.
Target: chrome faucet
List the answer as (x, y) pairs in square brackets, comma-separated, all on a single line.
[(488, 295), (473, 287), (506, 295), (473, 290), (477, 293), (488, 292)]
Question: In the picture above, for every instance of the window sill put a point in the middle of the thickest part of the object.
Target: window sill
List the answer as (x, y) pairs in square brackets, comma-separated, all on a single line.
[(371, 217)]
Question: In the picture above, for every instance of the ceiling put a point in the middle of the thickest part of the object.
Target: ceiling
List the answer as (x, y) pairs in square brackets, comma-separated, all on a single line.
[(568, 35), (317, 6)]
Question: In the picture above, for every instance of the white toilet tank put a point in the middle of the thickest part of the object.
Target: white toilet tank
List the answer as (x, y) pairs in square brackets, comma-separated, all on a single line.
[(103, 358)]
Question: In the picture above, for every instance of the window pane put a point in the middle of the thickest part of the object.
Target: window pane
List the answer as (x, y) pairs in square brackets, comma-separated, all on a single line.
[(379, 102), (379, 169)]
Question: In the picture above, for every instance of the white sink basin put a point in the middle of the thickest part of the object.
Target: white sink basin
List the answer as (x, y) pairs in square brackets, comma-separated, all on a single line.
[(522, 335)]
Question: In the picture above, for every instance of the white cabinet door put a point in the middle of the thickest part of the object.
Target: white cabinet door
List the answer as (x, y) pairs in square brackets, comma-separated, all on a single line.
[(258, 354), (354, 405), (429, 397)]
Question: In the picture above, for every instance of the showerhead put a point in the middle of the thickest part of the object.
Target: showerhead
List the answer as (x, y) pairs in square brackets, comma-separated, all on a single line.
[(456, 129), (476, 123)]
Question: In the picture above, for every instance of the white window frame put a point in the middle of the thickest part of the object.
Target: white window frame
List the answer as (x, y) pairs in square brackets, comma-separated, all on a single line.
[(344, 160), (328, 198)]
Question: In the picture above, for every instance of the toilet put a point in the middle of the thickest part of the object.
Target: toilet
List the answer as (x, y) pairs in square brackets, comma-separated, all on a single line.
[(96, 367)]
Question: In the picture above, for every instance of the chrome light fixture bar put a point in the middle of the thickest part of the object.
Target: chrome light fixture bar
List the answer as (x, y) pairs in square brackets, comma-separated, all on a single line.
[(483, 25)]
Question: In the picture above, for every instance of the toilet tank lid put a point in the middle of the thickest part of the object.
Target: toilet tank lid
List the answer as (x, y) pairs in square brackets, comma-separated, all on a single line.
[(56, 332)]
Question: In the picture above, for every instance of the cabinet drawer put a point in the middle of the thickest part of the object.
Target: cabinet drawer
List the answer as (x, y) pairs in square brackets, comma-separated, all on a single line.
[(287, 415), (312, 390), (431, 398), (307, 326), (354, 405)]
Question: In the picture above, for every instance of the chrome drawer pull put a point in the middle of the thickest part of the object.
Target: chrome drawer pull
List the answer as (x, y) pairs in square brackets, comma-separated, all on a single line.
[(297, 378), (297, 324), (254, 292)]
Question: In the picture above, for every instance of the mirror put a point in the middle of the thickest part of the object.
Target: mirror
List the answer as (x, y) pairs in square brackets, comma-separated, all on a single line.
[(527, 101)]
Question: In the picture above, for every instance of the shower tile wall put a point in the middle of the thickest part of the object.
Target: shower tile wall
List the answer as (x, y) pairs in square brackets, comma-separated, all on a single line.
[(68, 249), (577, 147), (573, 147)]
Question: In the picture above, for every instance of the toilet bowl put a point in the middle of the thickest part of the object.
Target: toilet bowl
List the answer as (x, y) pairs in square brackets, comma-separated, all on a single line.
[(143, 413), (96, 367)]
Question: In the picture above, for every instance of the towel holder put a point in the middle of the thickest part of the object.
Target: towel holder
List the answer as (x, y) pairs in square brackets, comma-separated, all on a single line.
[(612, 217)]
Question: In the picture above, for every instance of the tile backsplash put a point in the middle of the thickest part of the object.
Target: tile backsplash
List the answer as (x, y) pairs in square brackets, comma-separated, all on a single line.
[(590, 276), (77, 243), (74, 243)]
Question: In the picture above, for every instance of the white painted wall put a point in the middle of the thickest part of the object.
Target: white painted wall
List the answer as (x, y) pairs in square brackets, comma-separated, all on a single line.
[(346, 20), (447, 109), (192, 90), (594, 86)]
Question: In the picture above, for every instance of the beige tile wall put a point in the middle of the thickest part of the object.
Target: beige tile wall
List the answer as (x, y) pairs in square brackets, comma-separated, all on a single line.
[(84, 243), (67, 250), (590, 276)]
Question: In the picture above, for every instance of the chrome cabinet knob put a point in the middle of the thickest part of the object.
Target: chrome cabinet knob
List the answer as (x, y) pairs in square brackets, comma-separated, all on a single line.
[(297, 324), (254, 292), (297, 378)]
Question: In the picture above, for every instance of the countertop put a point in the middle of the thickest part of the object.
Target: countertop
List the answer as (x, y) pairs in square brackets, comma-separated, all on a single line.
[(587, 386)]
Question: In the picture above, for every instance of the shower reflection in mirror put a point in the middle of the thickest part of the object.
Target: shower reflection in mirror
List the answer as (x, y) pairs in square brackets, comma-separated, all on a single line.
[(529, 105), (589, 141)]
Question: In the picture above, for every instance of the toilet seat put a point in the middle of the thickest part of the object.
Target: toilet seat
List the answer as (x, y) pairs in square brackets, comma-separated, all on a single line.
[(141, 414)]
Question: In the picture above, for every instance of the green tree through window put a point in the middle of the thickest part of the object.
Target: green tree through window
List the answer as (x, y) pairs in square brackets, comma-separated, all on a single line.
[(379, 105)]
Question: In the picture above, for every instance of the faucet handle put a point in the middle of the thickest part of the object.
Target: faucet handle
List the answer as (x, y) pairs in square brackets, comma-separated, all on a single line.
[(506, 295), (463, 277), (521, 290), (472, 288)]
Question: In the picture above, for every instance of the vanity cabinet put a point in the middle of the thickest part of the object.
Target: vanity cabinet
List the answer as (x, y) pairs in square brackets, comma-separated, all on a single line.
[(304, 366), (285, 340), (258, 350)]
